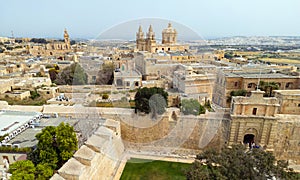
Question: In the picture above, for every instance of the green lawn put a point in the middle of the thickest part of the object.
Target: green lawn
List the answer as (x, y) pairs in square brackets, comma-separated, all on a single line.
[(141, 169)]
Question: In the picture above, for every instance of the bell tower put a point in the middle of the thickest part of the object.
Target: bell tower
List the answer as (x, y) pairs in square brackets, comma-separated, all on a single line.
[(150, 41), (169, 35), (67, 39), (140, 40)]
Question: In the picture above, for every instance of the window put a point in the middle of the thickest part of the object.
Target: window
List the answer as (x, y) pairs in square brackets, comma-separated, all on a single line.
[(235, 84), (119, 82), (127, 83), (254, 111), (289, 85), (250, 85)]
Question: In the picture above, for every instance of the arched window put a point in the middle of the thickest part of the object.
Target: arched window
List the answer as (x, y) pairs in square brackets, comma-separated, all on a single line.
[(289, 85)]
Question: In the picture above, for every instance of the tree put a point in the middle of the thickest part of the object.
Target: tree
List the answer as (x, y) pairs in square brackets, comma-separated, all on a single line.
[(155, 99), (66, 141), (106, 74), (228, 55), (55, 146), (192, 106), (34, 94), (237, 163), (71, 75), (105, 96), (38, 40), (43, 172), (240, 92), (22, 170), (53, 74), (268, 87)]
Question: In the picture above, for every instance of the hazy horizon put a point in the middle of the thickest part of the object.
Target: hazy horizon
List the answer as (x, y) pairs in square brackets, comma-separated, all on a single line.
[(208, 19)]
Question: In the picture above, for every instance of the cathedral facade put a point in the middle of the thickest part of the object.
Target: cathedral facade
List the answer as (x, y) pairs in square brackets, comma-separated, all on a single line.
[(52, 48), (168, 44)]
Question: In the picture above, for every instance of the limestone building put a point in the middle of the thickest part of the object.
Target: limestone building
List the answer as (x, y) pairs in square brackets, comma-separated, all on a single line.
[(233, 80), (253, 119), (289, 100), (169, 40), (52, 48), (127, 79), (271, 122), (189, 82)]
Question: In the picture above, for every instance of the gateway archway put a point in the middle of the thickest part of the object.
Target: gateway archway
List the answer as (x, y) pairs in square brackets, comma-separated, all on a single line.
[(248, 138)]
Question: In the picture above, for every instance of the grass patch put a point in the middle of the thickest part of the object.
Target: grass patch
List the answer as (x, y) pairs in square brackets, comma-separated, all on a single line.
[(117, 104), (28, 101), (141, 169)]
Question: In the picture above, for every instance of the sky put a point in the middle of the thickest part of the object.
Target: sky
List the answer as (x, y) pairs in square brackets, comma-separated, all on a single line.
[(91, 18)]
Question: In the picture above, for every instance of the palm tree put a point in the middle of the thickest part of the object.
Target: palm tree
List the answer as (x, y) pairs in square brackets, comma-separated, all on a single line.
[(268, 87)]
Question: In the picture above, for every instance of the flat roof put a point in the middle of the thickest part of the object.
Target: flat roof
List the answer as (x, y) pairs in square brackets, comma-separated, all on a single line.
[(127, 73), (295, 92), (26, 138), (258, 75), (12, 120)]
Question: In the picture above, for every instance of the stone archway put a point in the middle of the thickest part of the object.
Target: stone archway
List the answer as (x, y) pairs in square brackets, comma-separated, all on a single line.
[(248, 138), (250, 135)]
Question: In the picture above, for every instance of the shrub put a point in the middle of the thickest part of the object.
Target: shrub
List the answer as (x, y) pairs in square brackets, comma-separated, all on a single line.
[(105, 96)]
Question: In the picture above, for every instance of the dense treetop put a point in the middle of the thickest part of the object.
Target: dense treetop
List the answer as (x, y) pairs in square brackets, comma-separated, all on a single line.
[(55, 146), (71, 75), (238, 163), (152, 99)]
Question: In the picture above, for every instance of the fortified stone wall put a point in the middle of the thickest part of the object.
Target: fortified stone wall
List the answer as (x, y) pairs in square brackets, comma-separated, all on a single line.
[(287, 141), (190, 132), (137, 134), (99, 158)]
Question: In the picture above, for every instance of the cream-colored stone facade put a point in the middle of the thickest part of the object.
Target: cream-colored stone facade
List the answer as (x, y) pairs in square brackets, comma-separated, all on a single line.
[(229, 80), (99, 158), (169, 40), (189, 82), (268, 122), (6, 85), (16, 95), (253, 116), (289, 100), (48, 92), (54, 48)]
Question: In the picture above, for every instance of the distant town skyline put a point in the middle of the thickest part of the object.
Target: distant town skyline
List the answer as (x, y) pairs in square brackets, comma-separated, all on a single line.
[(91, 18)]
